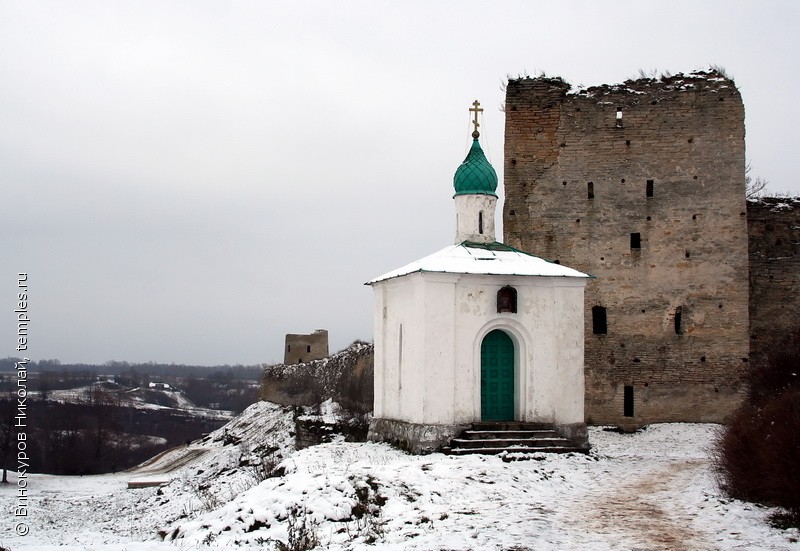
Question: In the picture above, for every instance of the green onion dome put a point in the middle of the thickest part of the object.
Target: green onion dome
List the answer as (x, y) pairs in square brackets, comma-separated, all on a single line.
[(475, 175)]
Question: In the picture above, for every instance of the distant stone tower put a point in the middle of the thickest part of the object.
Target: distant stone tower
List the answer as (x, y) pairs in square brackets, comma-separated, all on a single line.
[(641, 185), (304, 348)]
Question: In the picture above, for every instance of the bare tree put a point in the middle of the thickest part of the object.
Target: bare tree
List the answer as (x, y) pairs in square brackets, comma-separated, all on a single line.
[(103, 408), (753, 187)]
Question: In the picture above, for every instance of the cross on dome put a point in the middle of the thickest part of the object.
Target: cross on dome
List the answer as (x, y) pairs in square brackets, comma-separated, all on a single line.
[(476, 108), (475, 175)]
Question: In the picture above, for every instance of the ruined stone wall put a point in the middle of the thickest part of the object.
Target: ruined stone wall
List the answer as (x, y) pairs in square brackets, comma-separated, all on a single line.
[(774, 229), (304, 348), (347, 377), (663, 160)]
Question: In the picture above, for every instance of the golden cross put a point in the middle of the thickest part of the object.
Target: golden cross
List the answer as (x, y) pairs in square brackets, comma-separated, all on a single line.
[(476, 108)]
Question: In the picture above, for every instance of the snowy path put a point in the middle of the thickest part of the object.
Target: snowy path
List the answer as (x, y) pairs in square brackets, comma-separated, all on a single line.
[(642, 512), (167, 461)]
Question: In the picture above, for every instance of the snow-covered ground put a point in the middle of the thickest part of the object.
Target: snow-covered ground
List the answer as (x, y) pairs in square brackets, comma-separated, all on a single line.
[(136, 399), (650, 490)]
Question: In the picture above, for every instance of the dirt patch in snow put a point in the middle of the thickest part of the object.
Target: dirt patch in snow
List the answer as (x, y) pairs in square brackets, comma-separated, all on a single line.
[(641, 512)]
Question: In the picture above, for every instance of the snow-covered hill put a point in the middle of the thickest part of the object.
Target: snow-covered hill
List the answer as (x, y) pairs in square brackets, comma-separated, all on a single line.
[(650, 490), (137, 398)]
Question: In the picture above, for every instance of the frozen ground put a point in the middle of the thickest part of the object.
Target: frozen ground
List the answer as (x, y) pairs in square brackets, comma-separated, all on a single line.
[(647, 491)]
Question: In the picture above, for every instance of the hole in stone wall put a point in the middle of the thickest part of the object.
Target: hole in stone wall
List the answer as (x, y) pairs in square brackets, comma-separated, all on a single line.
[(649, 218), (590, 190), (678, 320), (627, 401), (308, 348), (619, 117), (628, 143), (578, 220), (511, 212), (687, 254), (623, 180), (480, 222), (694, 177), (636, 241), (720, 306), (513, 162), (564, 183), (289, 348), (690, 140), (702, 358), (649, 188), (694, 217), (556, 261), (599, 321), (636, 360)]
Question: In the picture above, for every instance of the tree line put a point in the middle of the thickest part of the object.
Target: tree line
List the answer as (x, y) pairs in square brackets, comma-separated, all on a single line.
[(237, 371)]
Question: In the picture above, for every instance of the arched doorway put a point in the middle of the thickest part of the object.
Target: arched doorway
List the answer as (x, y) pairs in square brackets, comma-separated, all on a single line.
[(497, 377)]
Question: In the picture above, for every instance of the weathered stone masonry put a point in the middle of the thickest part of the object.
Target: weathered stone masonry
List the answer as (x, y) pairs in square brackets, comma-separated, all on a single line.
[(774, 228), (641, 185), (305, 348)]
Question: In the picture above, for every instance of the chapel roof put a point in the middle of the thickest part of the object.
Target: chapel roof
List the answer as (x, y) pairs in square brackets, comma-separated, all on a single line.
[(475, 175), (483, 258)]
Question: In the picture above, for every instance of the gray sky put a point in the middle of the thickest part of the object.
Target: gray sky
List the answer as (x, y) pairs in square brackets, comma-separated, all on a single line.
[(188, 181)]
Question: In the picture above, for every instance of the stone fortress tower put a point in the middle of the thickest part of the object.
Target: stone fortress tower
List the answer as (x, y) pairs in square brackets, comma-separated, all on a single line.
[(643, 186), (304, 348)]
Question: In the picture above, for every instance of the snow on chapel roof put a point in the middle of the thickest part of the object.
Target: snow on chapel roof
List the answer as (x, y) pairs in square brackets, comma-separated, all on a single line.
[(482, 258), (476, 176)]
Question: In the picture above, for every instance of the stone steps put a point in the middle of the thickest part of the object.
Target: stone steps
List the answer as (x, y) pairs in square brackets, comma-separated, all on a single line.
[(471, 434), (501, 441), (512, 449), (509, 437)]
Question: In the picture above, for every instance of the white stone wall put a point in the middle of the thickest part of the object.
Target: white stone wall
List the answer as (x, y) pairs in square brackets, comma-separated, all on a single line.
[(468, 211), (445, 318)]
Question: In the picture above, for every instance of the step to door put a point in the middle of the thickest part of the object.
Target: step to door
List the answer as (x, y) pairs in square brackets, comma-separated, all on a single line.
[(511, 437), (510, 425), (490, 434), (504, 442), (512, 449)]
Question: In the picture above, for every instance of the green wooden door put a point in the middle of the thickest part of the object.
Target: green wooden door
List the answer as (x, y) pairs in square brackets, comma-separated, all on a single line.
[(497, 377)]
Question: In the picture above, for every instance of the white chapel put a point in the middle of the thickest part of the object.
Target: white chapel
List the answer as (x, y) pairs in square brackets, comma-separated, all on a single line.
[(477, 332)]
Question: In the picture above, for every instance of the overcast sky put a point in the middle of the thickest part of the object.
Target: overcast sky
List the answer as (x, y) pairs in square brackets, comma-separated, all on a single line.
[(188, 181)]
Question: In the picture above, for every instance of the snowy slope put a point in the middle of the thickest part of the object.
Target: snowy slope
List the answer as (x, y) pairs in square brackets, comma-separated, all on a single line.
[(650, 490)]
